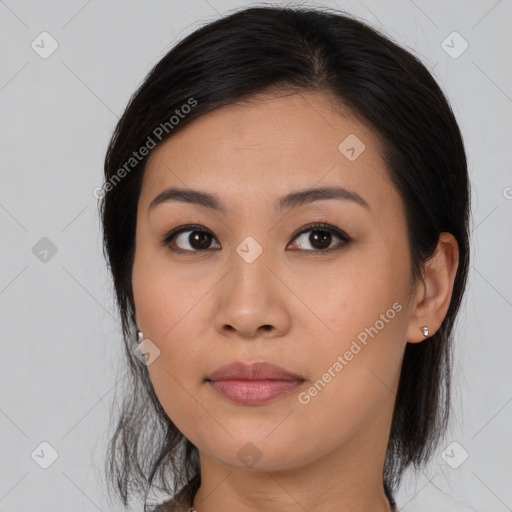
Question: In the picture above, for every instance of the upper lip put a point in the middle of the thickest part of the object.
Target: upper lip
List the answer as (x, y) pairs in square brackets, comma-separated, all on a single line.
[(253, 371)]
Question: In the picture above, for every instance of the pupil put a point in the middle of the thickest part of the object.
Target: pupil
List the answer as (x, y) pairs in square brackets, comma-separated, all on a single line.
[(315, 237), (201, 238)]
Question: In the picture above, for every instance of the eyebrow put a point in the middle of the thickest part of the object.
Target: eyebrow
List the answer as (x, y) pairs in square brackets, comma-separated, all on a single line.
[(291, 200)]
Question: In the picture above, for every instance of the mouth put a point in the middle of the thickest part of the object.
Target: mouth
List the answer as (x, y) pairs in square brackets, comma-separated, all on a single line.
[(253, 384)]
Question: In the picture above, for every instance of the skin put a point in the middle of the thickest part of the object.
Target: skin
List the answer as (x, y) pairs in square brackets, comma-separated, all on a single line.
[(293, 306)]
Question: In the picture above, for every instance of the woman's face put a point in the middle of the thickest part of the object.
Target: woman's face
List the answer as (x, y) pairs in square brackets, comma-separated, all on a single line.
[(253, 283)]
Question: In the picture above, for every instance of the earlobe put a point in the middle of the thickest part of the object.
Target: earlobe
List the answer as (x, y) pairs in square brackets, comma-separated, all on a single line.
[(434, 294)]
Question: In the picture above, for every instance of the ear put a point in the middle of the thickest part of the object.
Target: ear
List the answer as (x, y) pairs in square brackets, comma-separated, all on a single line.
[(434, 292)]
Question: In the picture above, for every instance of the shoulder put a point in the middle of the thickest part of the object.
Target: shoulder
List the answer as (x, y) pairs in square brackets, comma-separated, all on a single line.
[(170, 506), (182, 502), (176, 504)]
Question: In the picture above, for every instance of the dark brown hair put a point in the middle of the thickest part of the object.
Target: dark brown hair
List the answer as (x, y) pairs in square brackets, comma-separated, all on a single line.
[(389, 89)]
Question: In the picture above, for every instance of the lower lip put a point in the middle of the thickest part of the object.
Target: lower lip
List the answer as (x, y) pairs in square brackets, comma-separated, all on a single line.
[(254, 392)]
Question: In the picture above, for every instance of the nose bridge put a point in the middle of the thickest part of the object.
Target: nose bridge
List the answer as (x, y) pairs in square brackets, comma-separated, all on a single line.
[(249, 266), (249, 298), (251, 237), (255, 256)]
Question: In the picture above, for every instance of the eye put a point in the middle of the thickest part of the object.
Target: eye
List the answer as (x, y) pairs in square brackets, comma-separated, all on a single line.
[(199, 239), (321, 237)]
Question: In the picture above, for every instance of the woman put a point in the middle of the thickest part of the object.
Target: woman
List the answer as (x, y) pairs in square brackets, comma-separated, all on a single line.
[(285, 216)]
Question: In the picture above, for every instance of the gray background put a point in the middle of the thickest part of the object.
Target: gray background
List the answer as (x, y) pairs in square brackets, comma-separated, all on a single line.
[(60, 332)]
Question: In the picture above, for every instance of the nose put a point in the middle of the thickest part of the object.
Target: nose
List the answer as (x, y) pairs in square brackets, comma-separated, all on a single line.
[(251, 301)]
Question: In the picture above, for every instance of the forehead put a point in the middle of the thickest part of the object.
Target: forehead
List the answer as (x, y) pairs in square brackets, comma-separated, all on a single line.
[(268, 144)]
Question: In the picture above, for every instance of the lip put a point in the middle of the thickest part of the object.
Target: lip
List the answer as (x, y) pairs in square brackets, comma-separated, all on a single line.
[(253, 384), (253, 371)]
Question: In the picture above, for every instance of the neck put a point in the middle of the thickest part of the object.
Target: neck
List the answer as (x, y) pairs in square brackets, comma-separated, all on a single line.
[(271, 492), (350, 478)]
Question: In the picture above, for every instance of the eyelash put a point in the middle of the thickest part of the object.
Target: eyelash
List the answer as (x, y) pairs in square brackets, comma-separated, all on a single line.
[(317, 226)]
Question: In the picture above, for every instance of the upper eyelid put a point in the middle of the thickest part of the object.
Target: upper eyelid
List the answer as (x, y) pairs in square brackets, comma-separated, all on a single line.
[(314, 226)]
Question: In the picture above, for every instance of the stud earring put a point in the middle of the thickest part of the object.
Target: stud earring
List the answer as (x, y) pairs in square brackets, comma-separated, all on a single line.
[(424, 329), (140, 336)]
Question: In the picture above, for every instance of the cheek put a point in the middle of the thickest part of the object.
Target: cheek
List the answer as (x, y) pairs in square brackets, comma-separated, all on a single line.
[(356, 364), (163, 314), (164, 298), (169, 313), (365, 326), (363, 309), (352, 296)]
